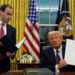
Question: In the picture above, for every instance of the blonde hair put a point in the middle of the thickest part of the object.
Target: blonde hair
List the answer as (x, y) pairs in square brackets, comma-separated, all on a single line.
[(55, 32)]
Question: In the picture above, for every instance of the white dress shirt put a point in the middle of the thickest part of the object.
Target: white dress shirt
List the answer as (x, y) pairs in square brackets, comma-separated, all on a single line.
[(60, 52), (61, 57)]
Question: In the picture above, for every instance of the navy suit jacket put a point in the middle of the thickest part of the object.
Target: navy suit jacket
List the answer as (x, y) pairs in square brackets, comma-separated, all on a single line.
[(5, 63), (49, 61)]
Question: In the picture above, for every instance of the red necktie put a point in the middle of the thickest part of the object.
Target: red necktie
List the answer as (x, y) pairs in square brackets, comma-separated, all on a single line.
[(1, 31), (57, 57), (1, 35)]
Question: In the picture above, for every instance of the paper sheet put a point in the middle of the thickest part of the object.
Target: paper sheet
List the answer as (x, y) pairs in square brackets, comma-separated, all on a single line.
[(18, 45), (70, 52)]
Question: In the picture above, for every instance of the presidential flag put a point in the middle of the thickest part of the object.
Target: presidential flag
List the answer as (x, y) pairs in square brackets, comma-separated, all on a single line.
[(31, 44), (64, 20)]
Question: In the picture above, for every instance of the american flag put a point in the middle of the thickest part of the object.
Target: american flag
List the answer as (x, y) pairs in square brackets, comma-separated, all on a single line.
[(31, 44)]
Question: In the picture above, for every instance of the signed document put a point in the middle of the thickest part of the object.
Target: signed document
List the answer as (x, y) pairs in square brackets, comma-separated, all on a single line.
[(70, 52)]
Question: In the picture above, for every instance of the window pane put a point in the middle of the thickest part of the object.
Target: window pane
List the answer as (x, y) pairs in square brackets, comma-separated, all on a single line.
[(44, 4), (44, 32), (37, 4), (38, 15), (54, 3), (53, 17), (44, 17)]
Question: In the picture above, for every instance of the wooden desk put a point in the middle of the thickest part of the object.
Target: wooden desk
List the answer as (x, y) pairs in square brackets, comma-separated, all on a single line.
[(65, 73), (14, 72), (23, 66), (22, 72)]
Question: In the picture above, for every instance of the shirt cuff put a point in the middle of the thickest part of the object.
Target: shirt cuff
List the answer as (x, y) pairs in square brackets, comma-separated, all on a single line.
[(56, 68)]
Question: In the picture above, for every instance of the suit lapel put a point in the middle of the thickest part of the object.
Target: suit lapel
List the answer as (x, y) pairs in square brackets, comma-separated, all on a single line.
[(52, 55), (8, 30)]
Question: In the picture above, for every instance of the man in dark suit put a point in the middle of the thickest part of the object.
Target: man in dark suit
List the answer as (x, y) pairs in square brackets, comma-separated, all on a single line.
[(50, 60), (6, 14)]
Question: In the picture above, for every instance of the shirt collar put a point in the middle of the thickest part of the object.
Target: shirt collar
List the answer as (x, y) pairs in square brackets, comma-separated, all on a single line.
[(60, 49), (1, 23)]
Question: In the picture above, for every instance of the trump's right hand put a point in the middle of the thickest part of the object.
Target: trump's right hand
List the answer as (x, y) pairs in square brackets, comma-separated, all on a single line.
[(62, 64)]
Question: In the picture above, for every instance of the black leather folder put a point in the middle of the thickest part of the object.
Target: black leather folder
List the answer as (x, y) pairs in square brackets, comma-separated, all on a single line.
[(8, 45), (38, 71)]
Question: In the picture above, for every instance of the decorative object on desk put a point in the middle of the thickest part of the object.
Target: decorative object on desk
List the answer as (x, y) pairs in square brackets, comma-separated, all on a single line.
[(26, 58)]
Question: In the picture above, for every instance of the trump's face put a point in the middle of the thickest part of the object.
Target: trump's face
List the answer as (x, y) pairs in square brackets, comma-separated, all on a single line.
[(55, 40)]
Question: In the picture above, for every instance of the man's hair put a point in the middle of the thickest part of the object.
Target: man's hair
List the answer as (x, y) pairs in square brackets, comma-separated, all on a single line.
[(3, 7), (54, 32)]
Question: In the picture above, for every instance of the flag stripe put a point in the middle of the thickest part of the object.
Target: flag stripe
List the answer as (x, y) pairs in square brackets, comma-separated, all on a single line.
[(30, 50), (32, 39), (28, 28), (35, 29), (26, 48), (32, 46), (32, 53)]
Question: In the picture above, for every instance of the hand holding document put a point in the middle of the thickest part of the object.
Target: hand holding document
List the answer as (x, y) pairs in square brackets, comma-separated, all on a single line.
[(18, 45), (70, 52)]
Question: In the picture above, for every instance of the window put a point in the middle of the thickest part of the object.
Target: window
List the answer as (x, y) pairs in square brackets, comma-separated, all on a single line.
[(47, 15)]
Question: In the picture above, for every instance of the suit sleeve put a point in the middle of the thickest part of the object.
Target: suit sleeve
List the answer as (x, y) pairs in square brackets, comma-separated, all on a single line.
[(14, 39), (45, 63), (14, 36)]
